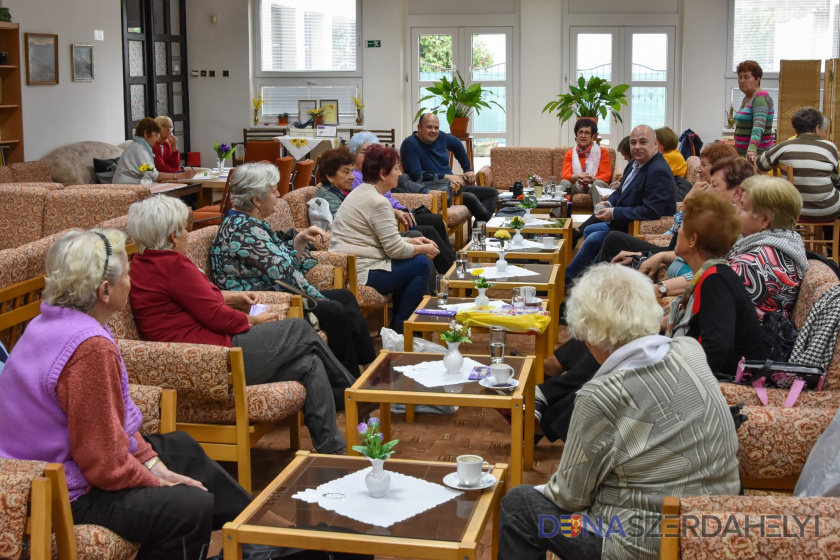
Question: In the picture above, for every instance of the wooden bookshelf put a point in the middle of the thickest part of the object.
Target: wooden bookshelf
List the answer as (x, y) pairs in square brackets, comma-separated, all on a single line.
[(11, 111)]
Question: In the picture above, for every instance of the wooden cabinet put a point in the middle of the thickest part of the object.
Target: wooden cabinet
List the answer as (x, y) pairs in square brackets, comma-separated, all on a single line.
[(11, 111)]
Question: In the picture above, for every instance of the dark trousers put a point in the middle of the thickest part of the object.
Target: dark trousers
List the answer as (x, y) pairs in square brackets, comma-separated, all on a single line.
[(171, 522), (347, 334), (433, 228), (407, 281), (480, 201), (560, 390), (618, 241)]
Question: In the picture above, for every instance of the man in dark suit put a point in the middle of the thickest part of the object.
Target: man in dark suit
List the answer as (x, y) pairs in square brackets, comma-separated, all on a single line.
[(646, 192)]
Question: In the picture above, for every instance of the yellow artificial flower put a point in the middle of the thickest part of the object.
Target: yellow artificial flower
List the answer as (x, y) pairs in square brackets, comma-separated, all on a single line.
[(502, 234), (357, 101), (144, 167), (477, 271), (258, 102)]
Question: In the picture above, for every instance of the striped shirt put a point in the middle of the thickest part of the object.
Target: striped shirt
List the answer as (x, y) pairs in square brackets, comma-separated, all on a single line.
[(815, 171), (754, 124)]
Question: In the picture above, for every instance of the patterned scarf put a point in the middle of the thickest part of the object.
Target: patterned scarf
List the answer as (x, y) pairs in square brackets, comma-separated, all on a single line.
[(818, 336), (335, 190), (593, 159), (784, 240)]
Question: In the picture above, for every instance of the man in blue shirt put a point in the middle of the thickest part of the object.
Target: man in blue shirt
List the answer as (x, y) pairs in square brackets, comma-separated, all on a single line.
[(425, 157)]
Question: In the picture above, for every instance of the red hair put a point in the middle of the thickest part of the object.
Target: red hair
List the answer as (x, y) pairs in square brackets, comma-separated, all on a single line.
[(378, 159)]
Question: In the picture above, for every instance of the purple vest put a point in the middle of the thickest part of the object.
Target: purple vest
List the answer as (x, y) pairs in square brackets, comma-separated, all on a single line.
[(32, 424)]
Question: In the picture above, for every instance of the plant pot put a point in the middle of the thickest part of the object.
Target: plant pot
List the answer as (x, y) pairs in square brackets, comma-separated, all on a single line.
[(453, 360), (319, 120), (501, 264), (282, 121), (459, 126), (482, 299), (590, 118), (378, 480)]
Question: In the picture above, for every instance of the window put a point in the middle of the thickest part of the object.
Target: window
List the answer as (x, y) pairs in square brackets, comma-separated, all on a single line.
[(768, 31), (306, 37)]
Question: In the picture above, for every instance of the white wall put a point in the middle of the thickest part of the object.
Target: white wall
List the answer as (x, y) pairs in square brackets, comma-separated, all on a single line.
[(384, 68), (72, 111), (540, 53)]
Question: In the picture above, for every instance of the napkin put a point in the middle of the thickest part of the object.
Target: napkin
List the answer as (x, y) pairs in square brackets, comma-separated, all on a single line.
[(434, 374), (491, 273), (469, 305)]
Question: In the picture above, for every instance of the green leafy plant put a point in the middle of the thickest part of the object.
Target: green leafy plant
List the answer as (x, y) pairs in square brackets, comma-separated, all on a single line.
[(456, 333), (456, 99), (594, 98), (481, 281), (373, 446), (528, 201), (517, 222)]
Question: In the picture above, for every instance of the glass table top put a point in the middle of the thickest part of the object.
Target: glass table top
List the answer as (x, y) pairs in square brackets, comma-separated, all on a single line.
[(543, 275)]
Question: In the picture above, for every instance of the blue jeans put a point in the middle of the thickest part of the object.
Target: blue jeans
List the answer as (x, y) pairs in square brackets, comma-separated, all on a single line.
[(593, 238), (407, 281)]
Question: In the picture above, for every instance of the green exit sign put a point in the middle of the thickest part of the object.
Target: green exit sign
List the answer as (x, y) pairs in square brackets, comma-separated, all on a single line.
[(374, 43)]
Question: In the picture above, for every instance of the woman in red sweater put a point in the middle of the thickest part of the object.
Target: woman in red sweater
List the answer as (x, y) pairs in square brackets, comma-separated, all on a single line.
[(587, 164), (167, 156), (173, 301)]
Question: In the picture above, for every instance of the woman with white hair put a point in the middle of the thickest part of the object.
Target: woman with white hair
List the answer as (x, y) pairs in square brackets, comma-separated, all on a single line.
[(173, 301), (167, 156), (651, 423), (247, 255), (64, 399)]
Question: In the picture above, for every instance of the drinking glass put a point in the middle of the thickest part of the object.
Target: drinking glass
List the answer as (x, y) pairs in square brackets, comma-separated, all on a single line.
[(483, 227), (477, 243), (497, 344), (518, 298), (442, 286), (461, 264)]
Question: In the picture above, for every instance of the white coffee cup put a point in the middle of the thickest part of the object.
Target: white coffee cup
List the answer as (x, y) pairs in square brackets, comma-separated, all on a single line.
[(470, 469), (549, 242), (530, 293), (501, 373)]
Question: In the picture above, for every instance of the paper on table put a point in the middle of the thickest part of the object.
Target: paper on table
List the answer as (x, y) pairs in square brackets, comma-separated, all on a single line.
[(470, 305), (526, 243), (505, 194), (491, 273), (604, 191), (434, 374), (407, 496)]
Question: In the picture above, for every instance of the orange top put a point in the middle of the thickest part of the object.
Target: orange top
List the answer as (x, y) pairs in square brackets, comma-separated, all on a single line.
[(604, 166)]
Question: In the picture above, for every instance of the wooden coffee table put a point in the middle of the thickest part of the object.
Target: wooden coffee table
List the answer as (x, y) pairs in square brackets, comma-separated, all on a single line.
[(560, 227), (450, 531), (382, 384), (557, 255)]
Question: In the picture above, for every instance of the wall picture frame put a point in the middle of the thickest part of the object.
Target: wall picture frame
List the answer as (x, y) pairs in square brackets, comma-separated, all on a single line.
[(41, 59), (305, 105), (330, 107), (81, 57)]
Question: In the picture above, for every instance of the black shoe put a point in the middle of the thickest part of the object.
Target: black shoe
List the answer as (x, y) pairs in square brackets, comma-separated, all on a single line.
[(576, 236), (562, 318)]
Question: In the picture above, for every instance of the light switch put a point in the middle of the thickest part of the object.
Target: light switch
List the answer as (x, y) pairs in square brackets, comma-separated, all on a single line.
[(98, 35)]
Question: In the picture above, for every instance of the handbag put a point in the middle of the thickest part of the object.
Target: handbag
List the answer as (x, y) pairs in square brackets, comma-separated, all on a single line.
[(637, 260), (440, 184), (779, 335), (309, 302), (797, 377)]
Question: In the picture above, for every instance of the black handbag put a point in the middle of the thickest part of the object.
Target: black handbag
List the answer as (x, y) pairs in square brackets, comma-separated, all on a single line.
[(440, 184), (309, 302)]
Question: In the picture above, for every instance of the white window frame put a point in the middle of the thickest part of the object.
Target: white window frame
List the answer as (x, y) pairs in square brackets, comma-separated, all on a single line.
[(771, 77), (256, 32)]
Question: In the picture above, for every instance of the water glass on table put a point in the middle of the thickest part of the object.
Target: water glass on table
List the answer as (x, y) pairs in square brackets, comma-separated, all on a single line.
[(477, 241), (497, 344), (461, 264), (442, 287), (518, 298), (483, 227)]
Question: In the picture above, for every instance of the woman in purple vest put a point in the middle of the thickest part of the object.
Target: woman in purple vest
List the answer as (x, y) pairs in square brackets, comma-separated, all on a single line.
[(64, 399)]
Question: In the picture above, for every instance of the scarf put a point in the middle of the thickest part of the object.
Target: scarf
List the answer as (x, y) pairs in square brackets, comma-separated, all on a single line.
[(680, 313), (142, 142), (818, 336), (641, 352), (593, 160), (335, 190), (784, 240)]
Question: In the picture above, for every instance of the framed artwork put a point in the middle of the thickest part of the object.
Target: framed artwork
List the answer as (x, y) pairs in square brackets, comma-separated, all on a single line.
[(82, 59), (41, 59), (330, 107), (303, 106)]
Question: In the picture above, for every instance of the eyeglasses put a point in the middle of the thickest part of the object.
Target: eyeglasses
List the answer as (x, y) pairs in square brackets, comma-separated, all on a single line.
[(107, 252), (584, 133)]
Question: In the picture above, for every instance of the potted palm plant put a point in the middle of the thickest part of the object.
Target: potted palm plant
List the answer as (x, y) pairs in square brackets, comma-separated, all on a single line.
[(591, 99), (458, 102)]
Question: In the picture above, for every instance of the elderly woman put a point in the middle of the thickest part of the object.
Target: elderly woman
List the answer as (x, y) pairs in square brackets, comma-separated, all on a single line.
[(716, 308), (64, 399), (364, 226), (167, 156), (814, 162), (247, 255), (429, 225), (173, 301), (754, 120), (651, 423), (139, 152), (588, 164)]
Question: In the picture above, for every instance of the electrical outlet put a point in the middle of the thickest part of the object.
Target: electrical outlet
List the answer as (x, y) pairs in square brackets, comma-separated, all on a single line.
[(98, 35)]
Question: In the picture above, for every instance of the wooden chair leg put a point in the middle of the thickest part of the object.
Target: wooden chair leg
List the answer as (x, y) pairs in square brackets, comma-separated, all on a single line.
[(294, 430), (835, 241)]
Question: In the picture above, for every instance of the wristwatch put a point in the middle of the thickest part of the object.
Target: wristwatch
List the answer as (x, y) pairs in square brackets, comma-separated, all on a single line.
[(663, 289)]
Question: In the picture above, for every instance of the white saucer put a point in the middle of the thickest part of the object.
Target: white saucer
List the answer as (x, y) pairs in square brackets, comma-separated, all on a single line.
[(511, 384), (535, 301), (487, 480)]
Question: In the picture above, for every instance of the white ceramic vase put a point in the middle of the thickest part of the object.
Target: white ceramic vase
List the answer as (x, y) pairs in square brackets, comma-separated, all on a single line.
[(453, 360), (482, 299), (501, 264), (378, 480), (517, 238), (528, 217)]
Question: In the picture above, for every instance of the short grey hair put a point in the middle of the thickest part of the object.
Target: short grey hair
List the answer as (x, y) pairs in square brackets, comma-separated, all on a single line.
[(163, 119), (360, 139), (611, 305), (151, 221), (76, 266), (252, 180)]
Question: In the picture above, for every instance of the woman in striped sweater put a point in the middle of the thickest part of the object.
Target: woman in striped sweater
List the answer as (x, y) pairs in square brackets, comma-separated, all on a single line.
[(754, 120)]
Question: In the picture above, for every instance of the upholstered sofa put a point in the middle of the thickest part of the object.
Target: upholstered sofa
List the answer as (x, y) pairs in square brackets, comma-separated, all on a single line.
[(73, 164)]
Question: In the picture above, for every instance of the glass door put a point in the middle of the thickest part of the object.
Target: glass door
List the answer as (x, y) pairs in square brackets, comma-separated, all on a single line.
[(642, 57), (480, 55)]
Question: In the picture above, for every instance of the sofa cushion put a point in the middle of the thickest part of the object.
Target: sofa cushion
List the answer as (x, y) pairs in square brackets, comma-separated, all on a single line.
[(73, 164), (30, 172), (515, 164)]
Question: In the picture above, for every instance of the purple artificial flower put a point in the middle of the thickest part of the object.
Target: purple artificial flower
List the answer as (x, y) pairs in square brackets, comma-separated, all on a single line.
[(381, 437), (373, 422), (362, 428)]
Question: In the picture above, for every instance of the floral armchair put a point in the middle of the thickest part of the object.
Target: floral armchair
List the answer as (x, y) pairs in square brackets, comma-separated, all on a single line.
[(818, 279), (36, 501), (84, 207), (753, 527)]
